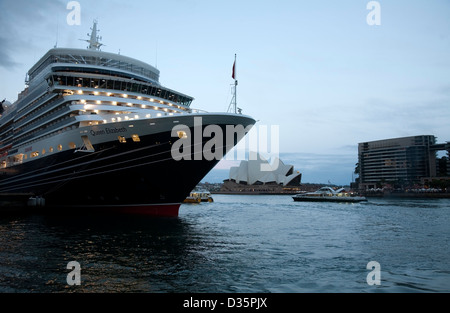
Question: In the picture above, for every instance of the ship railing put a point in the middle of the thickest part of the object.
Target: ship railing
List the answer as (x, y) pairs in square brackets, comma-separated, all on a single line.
[(196, 111), (42, 110), (57, 125)]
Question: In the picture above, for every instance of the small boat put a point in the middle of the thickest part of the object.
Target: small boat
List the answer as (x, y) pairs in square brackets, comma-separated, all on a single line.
[(192, 200), (204, 196), (199, 196), (327, 194)]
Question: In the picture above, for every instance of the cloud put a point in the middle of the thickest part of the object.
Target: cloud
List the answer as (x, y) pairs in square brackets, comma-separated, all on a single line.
[(6, 60), (22, 24), (390, 119)]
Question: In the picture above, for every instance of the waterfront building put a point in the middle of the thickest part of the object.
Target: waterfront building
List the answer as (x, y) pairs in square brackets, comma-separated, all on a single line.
[(400, 162)]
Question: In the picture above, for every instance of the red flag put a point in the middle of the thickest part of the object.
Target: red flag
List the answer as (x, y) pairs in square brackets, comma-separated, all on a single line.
[(234, 70)]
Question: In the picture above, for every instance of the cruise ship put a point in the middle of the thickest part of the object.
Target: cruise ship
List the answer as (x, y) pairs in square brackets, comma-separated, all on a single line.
[(95, 130)]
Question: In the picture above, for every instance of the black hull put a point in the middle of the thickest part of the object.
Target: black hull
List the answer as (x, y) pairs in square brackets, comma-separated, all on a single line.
[(135, 177)]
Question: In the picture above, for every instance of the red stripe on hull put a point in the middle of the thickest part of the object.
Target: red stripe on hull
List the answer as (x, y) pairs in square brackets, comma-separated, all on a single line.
[(161, 210)]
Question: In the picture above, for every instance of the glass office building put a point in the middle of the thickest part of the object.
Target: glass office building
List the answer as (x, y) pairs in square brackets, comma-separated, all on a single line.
[(399, 161)]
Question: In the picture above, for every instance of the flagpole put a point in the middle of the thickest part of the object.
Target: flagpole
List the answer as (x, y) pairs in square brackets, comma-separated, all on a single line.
[(233, 103), (235, 86)]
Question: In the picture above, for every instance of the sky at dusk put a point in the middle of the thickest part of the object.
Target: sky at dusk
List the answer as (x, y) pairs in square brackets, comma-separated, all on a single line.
[(315, 69)]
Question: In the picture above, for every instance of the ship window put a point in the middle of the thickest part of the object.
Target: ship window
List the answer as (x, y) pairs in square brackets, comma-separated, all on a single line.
[(72, 145), (34, 154), (136, 138), (122, 139), (182, 135), (18, 158), (51, 149), (59, 147), (43, 151)]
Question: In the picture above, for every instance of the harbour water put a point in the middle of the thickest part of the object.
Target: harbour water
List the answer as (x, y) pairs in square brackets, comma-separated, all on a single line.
[(237, 244)]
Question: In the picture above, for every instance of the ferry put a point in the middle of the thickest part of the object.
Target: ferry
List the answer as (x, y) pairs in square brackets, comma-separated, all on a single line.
[(95, 130), (199, 196), (328, 194), (203, 195), (192, 199)]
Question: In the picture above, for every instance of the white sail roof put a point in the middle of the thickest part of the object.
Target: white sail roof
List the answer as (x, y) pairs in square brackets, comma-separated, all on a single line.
[(258, 169)]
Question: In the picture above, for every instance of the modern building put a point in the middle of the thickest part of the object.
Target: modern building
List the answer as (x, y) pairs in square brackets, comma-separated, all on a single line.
[(400, 161)]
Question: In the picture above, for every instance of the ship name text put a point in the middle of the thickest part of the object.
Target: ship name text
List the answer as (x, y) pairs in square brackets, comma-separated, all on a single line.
[(108, 131)]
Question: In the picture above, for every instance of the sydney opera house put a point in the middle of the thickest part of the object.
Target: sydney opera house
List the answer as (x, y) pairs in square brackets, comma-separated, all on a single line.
[(257, 175)]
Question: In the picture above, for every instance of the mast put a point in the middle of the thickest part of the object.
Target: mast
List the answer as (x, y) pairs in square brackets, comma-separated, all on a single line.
[(94, 41), (233, 103)]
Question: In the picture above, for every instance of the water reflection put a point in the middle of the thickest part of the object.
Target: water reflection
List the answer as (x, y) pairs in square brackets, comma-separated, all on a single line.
[(116, 253), (236, 244)]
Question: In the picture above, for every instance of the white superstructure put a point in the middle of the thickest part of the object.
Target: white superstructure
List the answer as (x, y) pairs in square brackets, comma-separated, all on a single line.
[(69, 89)]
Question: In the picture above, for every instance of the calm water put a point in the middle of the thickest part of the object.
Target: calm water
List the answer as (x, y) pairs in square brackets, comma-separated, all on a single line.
[(236, 244)]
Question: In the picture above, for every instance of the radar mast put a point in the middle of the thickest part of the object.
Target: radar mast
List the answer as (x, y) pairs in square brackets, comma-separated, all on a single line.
[(94, 41)]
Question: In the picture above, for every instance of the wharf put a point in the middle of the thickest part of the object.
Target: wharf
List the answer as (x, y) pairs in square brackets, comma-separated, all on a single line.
[(410, 195), (255, 192)]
